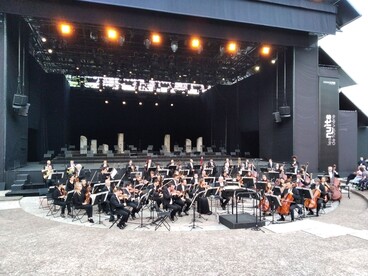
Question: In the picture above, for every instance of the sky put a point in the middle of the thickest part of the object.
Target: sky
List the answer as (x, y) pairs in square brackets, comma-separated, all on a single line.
[(348, 49)]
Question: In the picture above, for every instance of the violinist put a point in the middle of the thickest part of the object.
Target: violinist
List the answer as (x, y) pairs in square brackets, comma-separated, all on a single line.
[(110, 191), (86, 190), (118, 207), (157, 193), (212, 165), (104, 173), (290, 189), (182, 188), (70, 183), (130, 192), (59, 196), (79, 201), (169, 195), (221, 184), (318, 188), (79, 172), (203, 206)]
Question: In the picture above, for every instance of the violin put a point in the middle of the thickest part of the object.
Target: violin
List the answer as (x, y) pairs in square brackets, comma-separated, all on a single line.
[(87, 196)]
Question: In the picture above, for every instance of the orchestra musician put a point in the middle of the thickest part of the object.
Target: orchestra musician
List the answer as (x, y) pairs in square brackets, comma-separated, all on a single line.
[(59, 196), (168, 200), (211, 165), (104, 173), (202, 201), (79, 172), (190, 167), (47, 171), (71, 168), (292, 190), (79, 201), (70, 183), (131, 193), (221, 184), (104, 164), (182, 188), (118, 208), (157, 194), (110, 191), (294, 165), (270, 165), (130, 167), (317, 185)]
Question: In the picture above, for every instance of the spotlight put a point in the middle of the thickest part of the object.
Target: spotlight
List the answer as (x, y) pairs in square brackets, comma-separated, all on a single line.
[(232, 47), (156, 104), (43, 39), (174, 46), (273, 61), (257, 68), (112, 34), (50, 51), (171, 104), (140, 103), (65, 29), (195, 43), (124, 102), (106, 102), (156, 38), (265, 50)]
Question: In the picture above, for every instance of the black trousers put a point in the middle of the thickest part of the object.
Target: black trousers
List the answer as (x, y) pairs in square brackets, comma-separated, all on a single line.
[(123, 214), (88, 208), (175, 208), (63, 205), (134, 206)]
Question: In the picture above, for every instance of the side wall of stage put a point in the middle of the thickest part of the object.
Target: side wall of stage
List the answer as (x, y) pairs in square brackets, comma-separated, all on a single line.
[(27, 138)]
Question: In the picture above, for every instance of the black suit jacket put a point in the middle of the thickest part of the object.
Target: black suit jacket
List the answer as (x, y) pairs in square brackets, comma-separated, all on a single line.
[(78, 199), (115, 203), (295, 192)]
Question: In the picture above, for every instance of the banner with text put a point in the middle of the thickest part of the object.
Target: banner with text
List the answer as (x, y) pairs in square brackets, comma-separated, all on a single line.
[(328, 116)]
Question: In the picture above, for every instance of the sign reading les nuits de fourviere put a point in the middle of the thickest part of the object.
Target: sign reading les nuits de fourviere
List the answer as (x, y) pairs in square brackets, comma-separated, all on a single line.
[(328, 122)]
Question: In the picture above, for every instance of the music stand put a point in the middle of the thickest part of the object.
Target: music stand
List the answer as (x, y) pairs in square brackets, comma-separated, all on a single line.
[(274, 204), (304, 194), (56, 176), (272, 175), (98, 199), (194, 205), (291, 175), (276, 190), (261, 186), (248, 182), (143, 199), (97, 187)]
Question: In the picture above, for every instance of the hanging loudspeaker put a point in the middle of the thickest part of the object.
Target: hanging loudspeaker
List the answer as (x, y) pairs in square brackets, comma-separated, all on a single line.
[(277, 117)]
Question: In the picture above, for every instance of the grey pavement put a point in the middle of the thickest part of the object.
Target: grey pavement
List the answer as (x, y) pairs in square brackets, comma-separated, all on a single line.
[(336, 243)]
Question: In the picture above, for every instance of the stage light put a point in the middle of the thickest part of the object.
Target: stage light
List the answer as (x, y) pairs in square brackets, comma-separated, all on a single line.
[(265, 50), (156, 38), (232, 47), (171, 104), (124, 102), (112, 34), (50, 51), (65, 29), (195, 43), (106, 102), (156, 104), (273, 61), (140, 103), (77, 68), (43, 39), (174, 46), (257, 68)]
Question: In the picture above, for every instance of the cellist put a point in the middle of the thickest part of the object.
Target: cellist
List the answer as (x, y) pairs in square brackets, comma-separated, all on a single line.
[(291, 190), (318, 187)]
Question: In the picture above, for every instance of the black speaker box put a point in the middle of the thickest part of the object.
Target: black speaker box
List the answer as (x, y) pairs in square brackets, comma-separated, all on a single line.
[(20, 101), (284, 111), (277, 117)]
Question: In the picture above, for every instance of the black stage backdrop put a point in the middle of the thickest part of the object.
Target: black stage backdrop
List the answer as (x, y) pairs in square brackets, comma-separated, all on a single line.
[(348, 140)]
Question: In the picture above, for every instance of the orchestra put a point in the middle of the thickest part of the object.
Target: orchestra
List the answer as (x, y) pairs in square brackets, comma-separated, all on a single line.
[(176, 190)]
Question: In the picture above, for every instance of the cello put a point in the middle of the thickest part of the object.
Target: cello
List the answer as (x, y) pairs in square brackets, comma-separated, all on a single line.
[(286, 201), (311, 203)]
